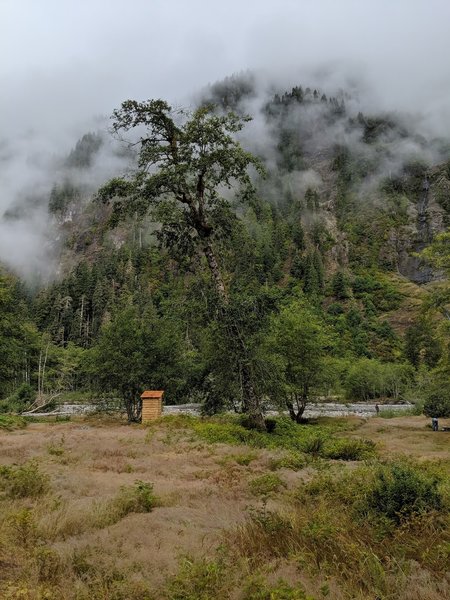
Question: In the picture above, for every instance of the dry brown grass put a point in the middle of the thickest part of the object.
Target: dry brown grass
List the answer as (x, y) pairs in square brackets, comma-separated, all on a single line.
[(87, 465), (70, 544), (410, 436)]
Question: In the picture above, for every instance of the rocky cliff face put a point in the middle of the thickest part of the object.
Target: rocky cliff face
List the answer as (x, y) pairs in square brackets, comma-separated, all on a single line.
[(353, 182)]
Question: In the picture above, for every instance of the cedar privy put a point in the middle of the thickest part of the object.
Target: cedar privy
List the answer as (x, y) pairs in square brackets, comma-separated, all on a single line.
[(151, 405)]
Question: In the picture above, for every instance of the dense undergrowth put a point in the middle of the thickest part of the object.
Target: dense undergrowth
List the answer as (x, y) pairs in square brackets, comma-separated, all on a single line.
[(322, 438), (10, 422)]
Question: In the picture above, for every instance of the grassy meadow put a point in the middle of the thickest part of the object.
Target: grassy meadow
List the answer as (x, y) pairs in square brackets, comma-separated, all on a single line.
[(198, 509)]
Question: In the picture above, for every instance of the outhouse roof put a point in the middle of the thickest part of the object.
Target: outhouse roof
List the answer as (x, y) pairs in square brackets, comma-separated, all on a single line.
[(152, 394)]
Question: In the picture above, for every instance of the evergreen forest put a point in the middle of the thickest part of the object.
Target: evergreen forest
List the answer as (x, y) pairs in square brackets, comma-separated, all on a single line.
[(254, 251)]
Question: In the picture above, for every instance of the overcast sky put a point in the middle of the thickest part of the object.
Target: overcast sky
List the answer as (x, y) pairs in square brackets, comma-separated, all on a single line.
[(63, 61)]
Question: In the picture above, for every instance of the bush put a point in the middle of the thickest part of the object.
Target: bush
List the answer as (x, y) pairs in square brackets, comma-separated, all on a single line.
[(25, 481), (48, 564), (10, 422), (23, 528), (244, 459), (351, 449), (290, 460), (313, 446), (437, 401), (267, 484), (258, 589), (200, 580), (137, 498), (22, 397), (401, 491)]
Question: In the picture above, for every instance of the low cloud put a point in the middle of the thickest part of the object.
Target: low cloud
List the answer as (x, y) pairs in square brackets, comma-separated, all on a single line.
[(71, 63)]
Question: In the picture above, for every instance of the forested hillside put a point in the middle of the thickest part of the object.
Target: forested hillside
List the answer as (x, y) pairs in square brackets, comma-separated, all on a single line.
[(327, 229)]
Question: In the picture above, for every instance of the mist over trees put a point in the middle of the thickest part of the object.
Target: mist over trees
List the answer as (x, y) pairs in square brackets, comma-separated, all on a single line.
[(274, 259)]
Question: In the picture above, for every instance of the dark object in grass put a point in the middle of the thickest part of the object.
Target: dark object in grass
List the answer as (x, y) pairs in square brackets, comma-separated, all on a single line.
[(270, 425)]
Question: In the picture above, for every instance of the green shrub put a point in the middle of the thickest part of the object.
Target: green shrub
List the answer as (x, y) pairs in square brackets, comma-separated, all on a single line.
[(244, 459), (199, 580), (137, 498), (24, 396), (48, 563), (269, 521), (299, 439), (267, 484), (290, 460), (400, 491), (10, 422), (25, 481), (145, 499), (437, 401), (383, 294), (392, 413), (23, 527), (313, 446), (350, 449), (258, 589)]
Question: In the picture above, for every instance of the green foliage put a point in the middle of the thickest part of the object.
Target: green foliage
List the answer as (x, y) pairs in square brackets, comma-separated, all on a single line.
[(368, 379), (19, 400), (137, 350), (83, 153), (49, 564), (18, 337), (438, 252), (313, 273), (25, 394), (11, 422), (298, 340), (383, 294), (414, 411), (421, 346), (313, 445), (289, 460), (265, 485), (25, 481), (199, 580), (351, 449), (244, 459), (193, 159), (62, 196), (229, 92), (298, 440), (400, 491), (437, 398), (258, 589), (339, 286), (137, 498)]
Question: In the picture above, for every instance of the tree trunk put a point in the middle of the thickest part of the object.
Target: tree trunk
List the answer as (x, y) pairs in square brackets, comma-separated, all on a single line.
[(215, 271), (133, 404), (296, 414), (251, 402)]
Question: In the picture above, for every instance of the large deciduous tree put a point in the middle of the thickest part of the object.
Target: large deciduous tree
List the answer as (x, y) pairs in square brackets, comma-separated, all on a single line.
[(184, 161), (137, 349), (298, 340)]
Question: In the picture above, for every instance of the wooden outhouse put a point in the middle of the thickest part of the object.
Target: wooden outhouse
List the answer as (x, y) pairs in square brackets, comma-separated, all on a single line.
[(151, 405)]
